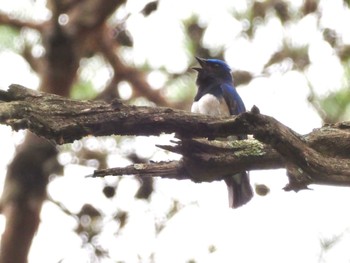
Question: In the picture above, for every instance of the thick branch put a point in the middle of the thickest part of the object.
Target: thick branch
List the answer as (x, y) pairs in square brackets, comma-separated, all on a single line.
[(92, 14), (319, 157), (64, 120)]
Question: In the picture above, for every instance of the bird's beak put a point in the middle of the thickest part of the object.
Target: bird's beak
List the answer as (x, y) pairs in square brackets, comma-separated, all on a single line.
[(201, 62)]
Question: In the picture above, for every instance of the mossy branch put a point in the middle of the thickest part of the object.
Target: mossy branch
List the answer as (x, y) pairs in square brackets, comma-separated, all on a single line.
[(319, 157)]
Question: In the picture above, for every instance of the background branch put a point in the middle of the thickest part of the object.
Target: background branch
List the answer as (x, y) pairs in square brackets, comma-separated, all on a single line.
[(19, 24)]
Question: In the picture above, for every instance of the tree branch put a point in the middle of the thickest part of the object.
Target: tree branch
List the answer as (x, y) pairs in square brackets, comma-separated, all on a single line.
[(64, 120), (19, 24), (170, 170), (319, 157), (137, 79), (205, 161)]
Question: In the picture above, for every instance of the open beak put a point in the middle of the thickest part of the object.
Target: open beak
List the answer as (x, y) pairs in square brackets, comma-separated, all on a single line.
[(201, 62)]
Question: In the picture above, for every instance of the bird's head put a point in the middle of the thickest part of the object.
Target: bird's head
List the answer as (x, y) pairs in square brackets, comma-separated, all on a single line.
[(213, 68)]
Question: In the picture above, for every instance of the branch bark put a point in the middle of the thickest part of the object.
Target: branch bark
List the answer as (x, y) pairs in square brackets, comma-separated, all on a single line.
[(320, 157)]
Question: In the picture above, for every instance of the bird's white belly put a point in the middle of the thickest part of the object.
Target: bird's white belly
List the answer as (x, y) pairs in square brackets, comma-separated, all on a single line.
[(210, 105)]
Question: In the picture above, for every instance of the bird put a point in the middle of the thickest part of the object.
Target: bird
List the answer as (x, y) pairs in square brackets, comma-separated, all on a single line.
[(217, 96)]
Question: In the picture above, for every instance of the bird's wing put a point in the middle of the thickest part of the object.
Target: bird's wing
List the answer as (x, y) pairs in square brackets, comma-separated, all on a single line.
[(232, 98), (234, 102)]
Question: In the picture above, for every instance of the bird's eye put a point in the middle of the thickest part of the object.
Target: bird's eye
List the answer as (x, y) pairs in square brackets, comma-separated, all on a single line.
[(216, 65)]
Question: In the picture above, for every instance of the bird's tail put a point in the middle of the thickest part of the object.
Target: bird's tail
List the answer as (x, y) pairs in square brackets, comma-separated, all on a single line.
[(239, 189)]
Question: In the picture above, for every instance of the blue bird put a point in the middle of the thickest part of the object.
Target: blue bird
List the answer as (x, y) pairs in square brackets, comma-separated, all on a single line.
[(216, 96)]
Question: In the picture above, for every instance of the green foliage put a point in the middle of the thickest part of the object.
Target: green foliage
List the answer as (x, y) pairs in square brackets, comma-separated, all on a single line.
[(9, 38), (336, 105), (83, 90)]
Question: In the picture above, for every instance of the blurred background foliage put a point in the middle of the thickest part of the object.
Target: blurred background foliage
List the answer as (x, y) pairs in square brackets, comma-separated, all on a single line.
[(175, 88)]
